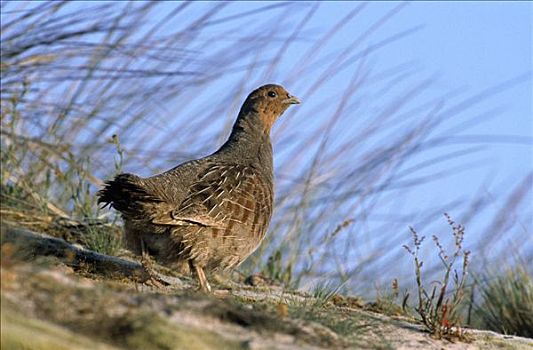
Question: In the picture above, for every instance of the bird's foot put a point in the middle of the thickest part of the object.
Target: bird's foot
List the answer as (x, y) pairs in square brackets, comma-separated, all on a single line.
[(153, 277), (204, 284), (258, 280), (200, 275)]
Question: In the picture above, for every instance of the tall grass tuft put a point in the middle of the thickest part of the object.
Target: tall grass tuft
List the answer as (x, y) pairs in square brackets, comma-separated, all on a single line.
[(506, 301)]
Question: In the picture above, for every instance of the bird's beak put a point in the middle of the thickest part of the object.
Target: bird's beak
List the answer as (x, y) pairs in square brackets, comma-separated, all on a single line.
[(293, 100)]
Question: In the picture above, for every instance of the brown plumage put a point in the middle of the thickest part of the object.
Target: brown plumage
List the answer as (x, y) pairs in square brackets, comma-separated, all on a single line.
[(212, 212)]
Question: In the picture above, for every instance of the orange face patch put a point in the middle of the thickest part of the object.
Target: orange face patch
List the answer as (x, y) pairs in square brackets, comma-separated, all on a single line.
[(270, 101)]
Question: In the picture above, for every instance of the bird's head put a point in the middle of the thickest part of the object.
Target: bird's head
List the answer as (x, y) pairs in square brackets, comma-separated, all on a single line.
[(269, 101)]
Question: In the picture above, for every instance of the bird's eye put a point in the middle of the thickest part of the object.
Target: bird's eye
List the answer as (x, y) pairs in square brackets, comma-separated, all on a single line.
[(272, 94)]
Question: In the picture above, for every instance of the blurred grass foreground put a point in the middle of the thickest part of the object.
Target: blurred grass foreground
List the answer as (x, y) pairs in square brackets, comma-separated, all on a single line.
[(90, 89)]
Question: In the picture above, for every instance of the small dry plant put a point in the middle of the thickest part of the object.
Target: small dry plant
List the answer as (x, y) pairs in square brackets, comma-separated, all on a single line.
[(389, 301), (439, 308)]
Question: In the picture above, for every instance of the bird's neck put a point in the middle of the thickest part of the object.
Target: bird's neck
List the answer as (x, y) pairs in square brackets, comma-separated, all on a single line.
[(250, 126), (250, 141)]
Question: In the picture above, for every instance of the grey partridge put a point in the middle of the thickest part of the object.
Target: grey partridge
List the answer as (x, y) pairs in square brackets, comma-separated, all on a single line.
[(210, 213)]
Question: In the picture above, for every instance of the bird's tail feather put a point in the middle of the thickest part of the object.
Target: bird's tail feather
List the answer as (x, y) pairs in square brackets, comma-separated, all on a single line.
[(126, 193)]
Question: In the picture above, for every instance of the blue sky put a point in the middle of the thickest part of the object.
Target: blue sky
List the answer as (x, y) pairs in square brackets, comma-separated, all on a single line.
[(469, 47)]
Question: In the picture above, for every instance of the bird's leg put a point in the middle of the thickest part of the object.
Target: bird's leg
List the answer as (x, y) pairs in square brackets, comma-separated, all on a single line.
[(200, 275), (146, 262)]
